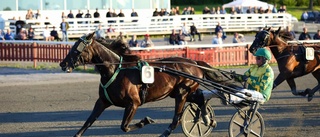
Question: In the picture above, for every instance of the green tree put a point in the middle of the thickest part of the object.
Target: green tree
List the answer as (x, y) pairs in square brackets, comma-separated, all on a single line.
[(7, 9), (289, 2), (311, 4)]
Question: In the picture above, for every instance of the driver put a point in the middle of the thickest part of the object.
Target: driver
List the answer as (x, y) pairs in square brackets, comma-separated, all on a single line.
[(259, 77)]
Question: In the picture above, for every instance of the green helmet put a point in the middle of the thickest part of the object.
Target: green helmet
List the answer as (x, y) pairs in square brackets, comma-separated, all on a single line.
[(263, 53)]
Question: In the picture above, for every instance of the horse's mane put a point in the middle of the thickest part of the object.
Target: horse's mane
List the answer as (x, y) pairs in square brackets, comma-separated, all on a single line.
[(120, 47)]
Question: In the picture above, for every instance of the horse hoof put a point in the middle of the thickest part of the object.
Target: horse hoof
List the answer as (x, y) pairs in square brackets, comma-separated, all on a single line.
[(148, 120), (310, 94)]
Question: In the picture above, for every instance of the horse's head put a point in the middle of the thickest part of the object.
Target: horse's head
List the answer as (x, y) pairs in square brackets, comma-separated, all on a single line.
[(78, 53), (262, 39)]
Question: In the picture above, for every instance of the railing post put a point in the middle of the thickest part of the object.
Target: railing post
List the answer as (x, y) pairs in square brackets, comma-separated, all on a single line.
[(248, 55), (187, 52), (34, 54)]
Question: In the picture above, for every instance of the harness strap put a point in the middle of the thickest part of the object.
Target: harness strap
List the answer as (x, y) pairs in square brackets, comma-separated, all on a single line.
[(110, 81)]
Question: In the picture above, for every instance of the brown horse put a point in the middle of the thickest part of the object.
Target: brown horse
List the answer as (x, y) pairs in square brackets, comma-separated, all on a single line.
[(121, 85), (290, 57)]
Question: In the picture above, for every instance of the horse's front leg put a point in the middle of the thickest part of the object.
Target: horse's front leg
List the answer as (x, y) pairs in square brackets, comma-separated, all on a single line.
[(129, 113), (99, 107), (280, 78)]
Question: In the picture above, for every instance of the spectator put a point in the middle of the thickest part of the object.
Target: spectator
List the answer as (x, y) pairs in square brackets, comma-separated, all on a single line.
[(114, 14), (111, 31), (173, 38), (100, 32), (54, 34), (194, 31), (218, 39), (22, 34), (9, 35), (1, 35), (37, 15), (120, 36), (249, 10), (213, 11), (223, 10), (155, 13), (63, 16), (241, 37), (19, 25), (70, 15), (64, 26), (79, 15), (47, 21), (305, 16), (255, 10), (109, 15), (236, 38), (185, 31), (96, 15), (147, 42), (133, 42), (317, 35), (181, 38), (218, 28), (29, 15), (218, 11), (31, 34), (238, 10), (206, 10), (291, 33), (121, 15), (88, 15), (192, 12), (178, 10), (282, 9), (46, 34), (305, 35), (134, 14), (233, 11), (274, 9), (173, 12), (268, 10)]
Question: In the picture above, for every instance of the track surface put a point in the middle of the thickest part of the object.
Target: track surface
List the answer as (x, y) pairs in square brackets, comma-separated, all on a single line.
[(56, 104)]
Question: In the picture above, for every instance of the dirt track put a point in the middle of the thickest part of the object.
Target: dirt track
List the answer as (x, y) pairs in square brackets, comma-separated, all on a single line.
[(51, 104)]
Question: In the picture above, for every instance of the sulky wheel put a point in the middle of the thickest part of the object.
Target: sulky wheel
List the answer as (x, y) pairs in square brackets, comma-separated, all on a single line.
[(238, 126), (192, 123)]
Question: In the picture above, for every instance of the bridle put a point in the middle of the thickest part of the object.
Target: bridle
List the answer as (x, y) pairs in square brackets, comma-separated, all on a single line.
[(79, 49)]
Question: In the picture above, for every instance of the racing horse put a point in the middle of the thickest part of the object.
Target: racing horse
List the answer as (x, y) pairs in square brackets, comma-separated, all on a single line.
[(291, 59), (120, 82)]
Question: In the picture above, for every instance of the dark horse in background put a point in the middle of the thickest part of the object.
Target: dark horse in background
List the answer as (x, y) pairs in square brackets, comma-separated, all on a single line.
[(121, 85), (291, 58)]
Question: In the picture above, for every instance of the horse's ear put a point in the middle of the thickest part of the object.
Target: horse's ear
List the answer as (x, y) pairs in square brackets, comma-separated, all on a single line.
[(269, 29), (90, 36), (278, 32)]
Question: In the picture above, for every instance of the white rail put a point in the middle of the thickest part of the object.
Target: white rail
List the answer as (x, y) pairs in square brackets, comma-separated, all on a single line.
[(164, 25)]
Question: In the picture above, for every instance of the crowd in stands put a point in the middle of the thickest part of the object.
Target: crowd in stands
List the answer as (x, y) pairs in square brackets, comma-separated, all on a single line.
[(26, 32)]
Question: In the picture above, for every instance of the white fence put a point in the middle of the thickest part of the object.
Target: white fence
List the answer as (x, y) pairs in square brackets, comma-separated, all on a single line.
[(164, 25)]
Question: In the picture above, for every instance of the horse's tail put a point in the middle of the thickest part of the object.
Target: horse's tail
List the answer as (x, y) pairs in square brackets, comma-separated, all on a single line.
[(211, 73)]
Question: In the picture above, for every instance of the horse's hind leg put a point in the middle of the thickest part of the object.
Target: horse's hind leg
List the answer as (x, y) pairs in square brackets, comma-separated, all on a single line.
[(280, 78), (180, 101), (99, 107), (316, 74), (129, 113)]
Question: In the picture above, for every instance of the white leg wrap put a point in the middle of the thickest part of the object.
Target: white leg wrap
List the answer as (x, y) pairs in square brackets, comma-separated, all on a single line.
[(209, 94)]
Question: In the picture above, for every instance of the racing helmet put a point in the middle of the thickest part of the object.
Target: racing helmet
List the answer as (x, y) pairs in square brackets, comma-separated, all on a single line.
[(263, 53)]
